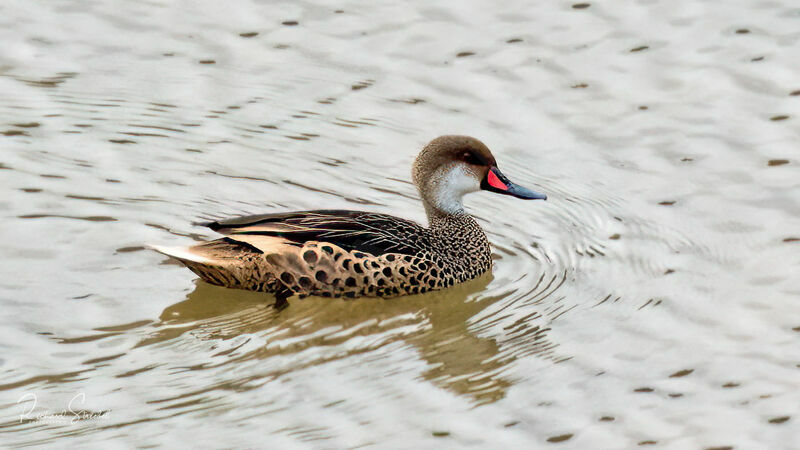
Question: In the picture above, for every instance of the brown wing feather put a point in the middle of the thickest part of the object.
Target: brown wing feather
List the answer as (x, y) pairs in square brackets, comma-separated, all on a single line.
[(372, 233)]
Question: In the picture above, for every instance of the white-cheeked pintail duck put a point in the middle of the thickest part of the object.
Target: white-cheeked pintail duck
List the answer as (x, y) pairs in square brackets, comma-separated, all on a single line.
[(336, 253)]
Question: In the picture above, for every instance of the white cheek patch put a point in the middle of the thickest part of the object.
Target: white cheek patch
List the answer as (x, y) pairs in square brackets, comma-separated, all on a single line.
[(451, 186)]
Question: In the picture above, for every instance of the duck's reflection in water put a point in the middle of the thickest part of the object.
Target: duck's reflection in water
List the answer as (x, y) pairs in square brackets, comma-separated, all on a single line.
[(437, 324)]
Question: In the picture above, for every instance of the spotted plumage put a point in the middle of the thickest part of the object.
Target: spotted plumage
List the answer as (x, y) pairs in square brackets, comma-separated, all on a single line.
[(333, 253)]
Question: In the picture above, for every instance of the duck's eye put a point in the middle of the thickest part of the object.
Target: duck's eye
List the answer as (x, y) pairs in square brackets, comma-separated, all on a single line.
[(470, 158)]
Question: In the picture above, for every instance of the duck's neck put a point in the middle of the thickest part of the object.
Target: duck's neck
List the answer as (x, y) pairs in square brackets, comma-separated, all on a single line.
[(443, 203), (439, 220), (437, 213), (443, 190)]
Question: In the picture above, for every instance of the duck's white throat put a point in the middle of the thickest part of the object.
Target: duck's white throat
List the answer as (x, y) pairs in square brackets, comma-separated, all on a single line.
[(448, 187)]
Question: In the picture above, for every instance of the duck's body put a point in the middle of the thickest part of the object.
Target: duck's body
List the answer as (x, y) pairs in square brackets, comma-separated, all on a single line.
[(352, 253), (340, 253)]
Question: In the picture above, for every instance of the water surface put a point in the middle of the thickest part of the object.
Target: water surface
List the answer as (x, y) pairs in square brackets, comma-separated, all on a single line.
[(651, 301)]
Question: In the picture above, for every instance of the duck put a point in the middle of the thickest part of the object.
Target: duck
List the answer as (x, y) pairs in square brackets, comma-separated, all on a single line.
[(343, 253)]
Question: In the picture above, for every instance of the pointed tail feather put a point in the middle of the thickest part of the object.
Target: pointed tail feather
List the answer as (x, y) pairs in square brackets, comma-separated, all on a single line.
[(219, 262), (181, 254), (210, 270)]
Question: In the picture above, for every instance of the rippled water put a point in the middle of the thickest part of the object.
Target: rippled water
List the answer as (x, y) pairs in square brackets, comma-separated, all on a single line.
[(652, 301)]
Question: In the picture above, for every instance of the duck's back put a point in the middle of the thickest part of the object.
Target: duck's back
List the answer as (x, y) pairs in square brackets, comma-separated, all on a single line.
[(366, 232)]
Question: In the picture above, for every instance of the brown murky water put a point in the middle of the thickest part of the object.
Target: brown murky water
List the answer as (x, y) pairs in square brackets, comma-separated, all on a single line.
[(652, 301)]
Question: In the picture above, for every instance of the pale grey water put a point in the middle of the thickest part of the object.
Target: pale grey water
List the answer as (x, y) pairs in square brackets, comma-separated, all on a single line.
[(652, 301)]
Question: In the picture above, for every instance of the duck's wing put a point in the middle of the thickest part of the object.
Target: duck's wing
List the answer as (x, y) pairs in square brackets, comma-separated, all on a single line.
[(375, 234)]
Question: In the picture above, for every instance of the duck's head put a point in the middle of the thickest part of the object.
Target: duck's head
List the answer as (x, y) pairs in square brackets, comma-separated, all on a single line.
[(450, 167)]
